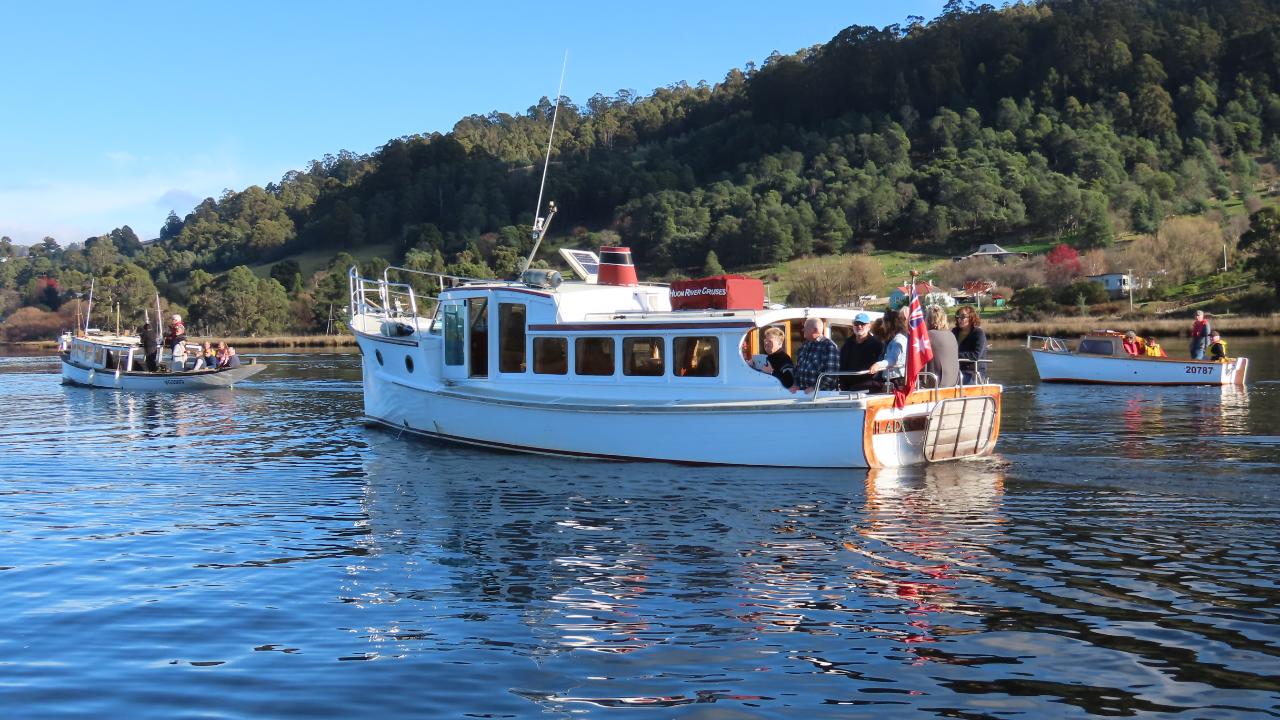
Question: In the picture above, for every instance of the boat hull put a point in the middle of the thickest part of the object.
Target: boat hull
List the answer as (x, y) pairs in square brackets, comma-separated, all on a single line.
[(834, 432), (1070, 367), (73, 374)]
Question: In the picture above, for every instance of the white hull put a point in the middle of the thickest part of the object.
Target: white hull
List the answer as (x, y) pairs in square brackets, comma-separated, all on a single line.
[(1082, 368), (834, 432), (159, 382)]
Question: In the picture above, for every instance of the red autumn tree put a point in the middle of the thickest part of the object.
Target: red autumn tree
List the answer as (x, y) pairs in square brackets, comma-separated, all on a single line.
[(1061, 265)]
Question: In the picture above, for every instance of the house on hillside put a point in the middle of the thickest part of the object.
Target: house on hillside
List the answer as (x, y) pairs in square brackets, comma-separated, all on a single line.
[(901, 295), (1117, 284), (993, 251)]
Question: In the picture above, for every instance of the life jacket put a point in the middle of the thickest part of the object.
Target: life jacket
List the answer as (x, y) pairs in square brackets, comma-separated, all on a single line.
[(1133, 347), (1218, 351), (1154, 350)]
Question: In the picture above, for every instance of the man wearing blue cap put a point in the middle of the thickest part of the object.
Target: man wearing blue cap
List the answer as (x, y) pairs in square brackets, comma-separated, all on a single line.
[(859, 352)]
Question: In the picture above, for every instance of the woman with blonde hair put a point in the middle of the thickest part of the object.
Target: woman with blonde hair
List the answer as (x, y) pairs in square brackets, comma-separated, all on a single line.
[(945, 364)]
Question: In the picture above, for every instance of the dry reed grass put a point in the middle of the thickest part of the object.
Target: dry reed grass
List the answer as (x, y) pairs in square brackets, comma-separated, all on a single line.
[(1159, 327)]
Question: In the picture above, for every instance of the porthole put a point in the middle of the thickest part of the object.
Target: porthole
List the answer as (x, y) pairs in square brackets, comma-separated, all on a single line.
[(408, 363), (378, 354)]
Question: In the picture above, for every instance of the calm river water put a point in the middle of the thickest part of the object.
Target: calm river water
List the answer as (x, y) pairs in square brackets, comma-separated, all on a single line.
[(260, 553)]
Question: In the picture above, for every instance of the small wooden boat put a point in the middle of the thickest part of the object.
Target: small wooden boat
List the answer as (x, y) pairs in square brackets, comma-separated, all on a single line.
[(1100, 358), (97, 359)]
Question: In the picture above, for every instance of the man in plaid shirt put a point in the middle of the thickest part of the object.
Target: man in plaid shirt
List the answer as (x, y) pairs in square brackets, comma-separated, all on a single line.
[(818, 355)]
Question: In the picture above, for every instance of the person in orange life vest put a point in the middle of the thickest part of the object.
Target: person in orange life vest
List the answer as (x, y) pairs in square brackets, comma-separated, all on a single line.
[(1154, 349), (1132, 344)]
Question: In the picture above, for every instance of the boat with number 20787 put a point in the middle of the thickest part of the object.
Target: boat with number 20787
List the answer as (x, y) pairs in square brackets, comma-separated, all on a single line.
[(1100, 358), (607, 367)]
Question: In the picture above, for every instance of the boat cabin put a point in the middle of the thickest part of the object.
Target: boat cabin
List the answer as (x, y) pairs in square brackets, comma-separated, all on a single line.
[(1107, 343), (102, 351), (536, 334)]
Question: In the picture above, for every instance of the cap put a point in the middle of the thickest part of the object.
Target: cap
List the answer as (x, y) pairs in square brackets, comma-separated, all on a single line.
[(862, 318), (176, 318), (1131, 334)]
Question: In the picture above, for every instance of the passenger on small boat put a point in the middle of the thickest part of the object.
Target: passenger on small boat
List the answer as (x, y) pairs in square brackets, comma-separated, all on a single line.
[(1153, 348), (859, 353), (892, 366), (972, 342), (1133, 344), (1200, 333), (945, 364), (818, 355), (150, 347), (176, 341), (778, 363), (1217, 348)]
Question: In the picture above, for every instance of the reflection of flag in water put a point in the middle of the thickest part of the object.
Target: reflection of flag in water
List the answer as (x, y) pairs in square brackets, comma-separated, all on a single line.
[(919, 351)]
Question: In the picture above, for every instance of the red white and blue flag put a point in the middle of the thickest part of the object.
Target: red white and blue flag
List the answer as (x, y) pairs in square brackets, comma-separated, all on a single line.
[(919, 351)]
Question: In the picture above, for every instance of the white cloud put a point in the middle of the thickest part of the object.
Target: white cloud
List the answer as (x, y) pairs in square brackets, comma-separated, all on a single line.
[(140, 197)]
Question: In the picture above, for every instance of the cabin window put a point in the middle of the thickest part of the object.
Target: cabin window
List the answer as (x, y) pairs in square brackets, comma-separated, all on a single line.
[(551, 355), (511, 345), (1096, 347), (839, 333), (593, 356), (696, 356), (642, 356), (454, 332), (478, 311)]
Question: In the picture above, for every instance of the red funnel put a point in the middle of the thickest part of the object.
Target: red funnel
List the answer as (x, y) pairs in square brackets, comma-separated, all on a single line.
[(616, 267)]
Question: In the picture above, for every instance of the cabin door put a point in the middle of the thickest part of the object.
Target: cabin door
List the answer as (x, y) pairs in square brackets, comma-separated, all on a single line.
[(454, 313)]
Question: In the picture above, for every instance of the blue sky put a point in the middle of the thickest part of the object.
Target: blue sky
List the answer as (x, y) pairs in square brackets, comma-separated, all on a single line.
[(114, 114)]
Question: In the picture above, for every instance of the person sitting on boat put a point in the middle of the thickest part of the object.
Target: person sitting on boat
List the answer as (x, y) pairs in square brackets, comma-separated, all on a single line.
[(150, 347), (1133, 344), (818, 355), (778, 363), (892, 367), (1217, 347), (233, 360), (945, 364), (1200, 334), (971, 340), (858, 354), (208, 359), (1153, 348)]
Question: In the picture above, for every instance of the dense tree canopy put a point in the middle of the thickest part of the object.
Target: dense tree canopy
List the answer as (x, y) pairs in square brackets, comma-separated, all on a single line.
[(1063, 119)]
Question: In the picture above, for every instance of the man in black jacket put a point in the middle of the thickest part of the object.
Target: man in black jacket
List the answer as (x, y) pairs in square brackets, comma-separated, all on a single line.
[(150, 346), (858, 353)]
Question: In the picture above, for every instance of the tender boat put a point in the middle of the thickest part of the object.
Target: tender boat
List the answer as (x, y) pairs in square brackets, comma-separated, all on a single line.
[(94, 358), (606, 367), (1100, 358)]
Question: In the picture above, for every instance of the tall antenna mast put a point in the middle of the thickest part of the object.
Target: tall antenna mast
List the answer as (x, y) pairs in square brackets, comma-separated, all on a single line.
[(541, 224)]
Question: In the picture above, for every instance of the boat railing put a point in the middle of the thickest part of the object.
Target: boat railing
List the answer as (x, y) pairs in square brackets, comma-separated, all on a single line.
[(381, 297), (1045, 342), (976, 367)]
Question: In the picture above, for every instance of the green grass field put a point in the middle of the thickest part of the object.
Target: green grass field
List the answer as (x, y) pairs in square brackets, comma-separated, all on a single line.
[(312, 261)]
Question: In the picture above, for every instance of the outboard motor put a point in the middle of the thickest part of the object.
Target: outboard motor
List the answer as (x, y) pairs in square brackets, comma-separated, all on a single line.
[(616, 267)]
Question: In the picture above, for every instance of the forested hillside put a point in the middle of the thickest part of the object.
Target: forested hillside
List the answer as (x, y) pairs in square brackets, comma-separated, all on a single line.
[(1067, 120)]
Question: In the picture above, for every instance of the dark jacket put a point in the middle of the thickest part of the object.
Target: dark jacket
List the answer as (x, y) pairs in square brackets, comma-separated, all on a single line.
[(858, 356), (150, 343), (783, 368)]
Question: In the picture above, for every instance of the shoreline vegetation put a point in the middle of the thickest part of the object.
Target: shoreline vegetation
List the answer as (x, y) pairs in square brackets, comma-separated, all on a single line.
[(1065, 327)]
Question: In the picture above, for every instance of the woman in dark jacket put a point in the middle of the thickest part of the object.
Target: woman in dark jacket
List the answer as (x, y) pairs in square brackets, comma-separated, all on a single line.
[(971, 341)]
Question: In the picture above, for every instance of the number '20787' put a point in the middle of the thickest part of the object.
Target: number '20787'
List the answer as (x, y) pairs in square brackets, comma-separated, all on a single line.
[(1199, 370)]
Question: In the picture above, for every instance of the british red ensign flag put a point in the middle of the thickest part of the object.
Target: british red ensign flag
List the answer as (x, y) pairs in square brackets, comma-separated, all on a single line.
[(919, 351)]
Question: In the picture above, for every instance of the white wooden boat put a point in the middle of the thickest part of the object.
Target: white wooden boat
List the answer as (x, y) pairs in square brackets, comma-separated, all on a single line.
[(606, 368), (104, 360), (1100, 358)]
